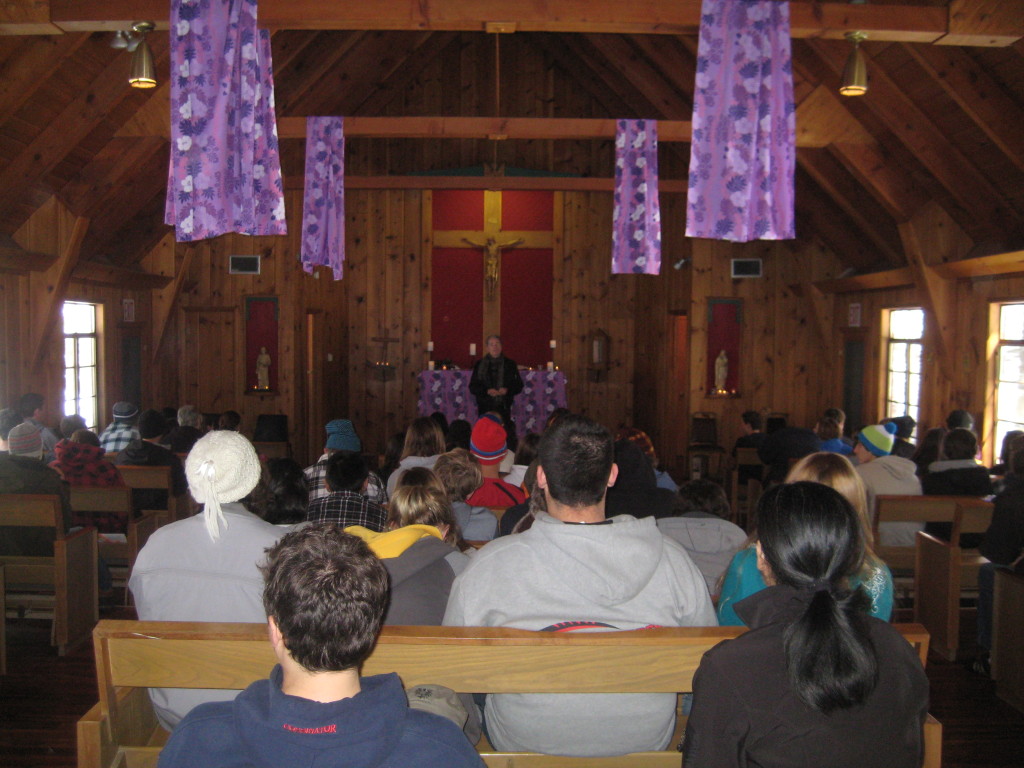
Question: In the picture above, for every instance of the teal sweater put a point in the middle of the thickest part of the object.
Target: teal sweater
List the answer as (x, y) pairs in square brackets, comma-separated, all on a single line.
[(742, 579)]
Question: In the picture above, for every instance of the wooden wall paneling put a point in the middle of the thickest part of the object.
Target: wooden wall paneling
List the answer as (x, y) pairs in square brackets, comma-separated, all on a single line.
[(414, 322), (357, 353)]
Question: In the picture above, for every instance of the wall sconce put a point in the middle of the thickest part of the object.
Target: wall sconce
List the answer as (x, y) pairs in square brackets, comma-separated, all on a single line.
[(142, 73), (855, 74)]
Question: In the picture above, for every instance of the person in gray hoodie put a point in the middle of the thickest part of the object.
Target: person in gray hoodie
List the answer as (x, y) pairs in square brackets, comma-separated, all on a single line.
[(699, 525), (886, 475), (576, 570)]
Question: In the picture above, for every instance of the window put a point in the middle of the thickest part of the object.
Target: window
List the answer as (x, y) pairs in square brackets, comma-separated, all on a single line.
[(1009, 381), (81, 346), (903, 368)]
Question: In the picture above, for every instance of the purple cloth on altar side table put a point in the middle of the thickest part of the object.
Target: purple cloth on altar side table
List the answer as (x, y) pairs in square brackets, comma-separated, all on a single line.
[(448, 392), (323, 202), (636, 220), (743, 153), (225, 171)]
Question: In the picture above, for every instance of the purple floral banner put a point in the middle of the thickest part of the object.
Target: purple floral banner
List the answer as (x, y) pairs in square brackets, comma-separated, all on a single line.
[(636, 221), (743, 153), (323, 204), (225, 171)]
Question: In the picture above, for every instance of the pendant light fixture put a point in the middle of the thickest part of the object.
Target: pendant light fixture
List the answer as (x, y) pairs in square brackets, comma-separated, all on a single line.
[(855, 74), (142, 73)]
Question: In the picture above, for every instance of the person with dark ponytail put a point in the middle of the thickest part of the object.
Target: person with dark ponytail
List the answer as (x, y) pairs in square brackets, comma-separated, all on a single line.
[(816, 681)]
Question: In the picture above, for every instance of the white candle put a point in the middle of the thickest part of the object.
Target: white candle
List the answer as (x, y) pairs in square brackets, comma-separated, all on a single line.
[(430, 365), (551, 366), (430, 346), (552, 343), (472, 350)]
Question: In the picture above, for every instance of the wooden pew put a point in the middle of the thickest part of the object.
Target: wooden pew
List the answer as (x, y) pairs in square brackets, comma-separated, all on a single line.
[(1008, 637), (121, 730), (743, 497), (943, 569), (119, 501), (64, 585), (909, 509), (157, 478)]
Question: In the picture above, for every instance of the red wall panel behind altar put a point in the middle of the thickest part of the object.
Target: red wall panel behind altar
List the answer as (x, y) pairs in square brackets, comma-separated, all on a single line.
[(456, 309), (525, 282)]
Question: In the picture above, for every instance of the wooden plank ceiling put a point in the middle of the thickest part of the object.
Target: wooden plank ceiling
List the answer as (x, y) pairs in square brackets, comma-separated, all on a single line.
[(941, 122)]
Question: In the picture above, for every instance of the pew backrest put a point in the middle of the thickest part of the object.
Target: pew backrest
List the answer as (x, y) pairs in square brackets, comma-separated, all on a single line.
[(117, 500), (145, 477), (909, 509), (64, 583), (131, 656)]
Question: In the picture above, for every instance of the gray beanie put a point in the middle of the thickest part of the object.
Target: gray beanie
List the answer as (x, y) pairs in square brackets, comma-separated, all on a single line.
[(221, 467)]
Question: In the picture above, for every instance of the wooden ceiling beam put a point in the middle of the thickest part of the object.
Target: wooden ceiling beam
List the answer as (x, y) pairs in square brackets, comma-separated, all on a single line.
[(673, 17), (14, 258), (984, 22), (109, 274), (36, 61), (556, 183), (937, 293), (994, 112), (960, 178), (50, 288), (1009, 263), (873, 281)]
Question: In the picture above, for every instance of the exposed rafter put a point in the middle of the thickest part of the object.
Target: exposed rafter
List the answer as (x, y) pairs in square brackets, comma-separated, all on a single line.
[(808, 19)]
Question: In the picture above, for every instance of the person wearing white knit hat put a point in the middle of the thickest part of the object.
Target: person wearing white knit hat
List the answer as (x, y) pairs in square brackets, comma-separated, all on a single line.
[(205, 568)]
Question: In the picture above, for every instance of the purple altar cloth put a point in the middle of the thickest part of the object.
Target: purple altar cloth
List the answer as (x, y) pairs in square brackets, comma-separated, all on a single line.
[(448, 392)]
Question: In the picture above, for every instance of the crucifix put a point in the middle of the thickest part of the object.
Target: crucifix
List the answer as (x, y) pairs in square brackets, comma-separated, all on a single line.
[(492, 240)]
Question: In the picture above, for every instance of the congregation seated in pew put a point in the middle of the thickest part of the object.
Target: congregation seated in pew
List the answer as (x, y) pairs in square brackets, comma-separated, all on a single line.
[(147, 451), (325, 597), (205, 567)]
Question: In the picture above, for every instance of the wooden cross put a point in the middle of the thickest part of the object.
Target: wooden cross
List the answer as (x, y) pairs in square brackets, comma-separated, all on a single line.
[(492, 240)]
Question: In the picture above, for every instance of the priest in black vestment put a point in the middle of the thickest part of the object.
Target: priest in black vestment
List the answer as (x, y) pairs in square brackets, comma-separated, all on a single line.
[(495, 381)]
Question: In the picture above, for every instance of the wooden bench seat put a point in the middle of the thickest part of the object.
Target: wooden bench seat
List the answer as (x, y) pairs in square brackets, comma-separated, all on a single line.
[(909, 509), (142, 477), (1008, 637), (118, 500), (943, 570), (121, 730), (63, 585)]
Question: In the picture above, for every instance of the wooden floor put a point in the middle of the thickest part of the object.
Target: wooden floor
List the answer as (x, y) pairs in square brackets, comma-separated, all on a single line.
[(43, 696)]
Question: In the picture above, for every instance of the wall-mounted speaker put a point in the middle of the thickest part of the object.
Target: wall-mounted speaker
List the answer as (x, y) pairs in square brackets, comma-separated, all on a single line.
[(244, 265), (746, 268)]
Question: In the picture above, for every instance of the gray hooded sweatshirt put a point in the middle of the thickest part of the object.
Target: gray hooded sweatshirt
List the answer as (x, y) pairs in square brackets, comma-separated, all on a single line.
[(710, 542), (892, 476), (557, 577)]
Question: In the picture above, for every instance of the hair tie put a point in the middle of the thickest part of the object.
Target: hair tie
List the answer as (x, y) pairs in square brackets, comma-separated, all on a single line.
[(819, 585), (212, 513)]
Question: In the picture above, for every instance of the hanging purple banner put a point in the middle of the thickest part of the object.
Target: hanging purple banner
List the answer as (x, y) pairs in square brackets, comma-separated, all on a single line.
[(743, 153), (323, 203), (636, 220), (225, 171)]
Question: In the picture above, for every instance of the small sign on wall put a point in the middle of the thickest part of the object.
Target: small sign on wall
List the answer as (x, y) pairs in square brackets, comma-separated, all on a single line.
[(853, 316), (128, 310)]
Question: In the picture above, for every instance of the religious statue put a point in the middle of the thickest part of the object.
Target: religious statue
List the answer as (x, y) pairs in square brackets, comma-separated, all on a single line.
[(263, 369), (721, 371), (492, 249)]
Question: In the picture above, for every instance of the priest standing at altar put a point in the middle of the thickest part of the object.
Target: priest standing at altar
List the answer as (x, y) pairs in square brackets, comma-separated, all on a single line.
[(495, 381)]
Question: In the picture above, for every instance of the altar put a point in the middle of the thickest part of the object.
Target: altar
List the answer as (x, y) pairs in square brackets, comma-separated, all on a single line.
[(448, 392)]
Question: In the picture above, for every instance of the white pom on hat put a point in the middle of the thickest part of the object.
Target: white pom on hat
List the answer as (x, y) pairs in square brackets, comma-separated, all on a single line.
[(221, 467)]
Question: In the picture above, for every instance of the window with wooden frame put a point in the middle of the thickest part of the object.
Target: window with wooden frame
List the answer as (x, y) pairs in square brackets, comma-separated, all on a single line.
[(81, 361), (1008, 379), (904, 359)]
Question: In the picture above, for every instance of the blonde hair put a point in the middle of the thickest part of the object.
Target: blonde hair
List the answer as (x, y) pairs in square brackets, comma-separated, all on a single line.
[(422, 505), (459, 472), (836, 471)]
